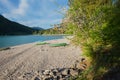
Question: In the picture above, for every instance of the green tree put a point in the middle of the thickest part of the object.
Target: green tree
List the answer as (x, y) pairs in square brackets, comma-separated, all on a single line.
[(96, 27)]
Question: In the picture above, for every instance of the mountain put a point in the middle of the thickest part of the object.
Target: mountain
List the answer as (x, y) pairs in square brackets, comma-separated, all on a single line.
[(8, 27), (37, 28)]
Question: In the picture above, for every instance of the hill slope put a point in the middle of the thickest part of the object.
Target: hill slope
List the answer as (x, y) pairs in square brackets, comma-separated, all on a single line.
[(8, 27), (37, 28)]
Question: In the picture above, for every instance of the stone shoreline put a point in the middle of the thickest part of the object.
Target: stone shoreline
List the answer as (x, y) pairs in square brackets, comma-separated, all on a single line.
[(25, 62), (62, 73)]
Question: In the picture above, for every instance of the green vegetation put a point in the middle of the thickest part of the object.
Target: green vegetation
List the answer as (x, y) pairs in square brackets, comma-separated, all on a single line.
[(57, 29), (58, 44), (8, 27), (6, 48), (95, 25), (42, 43)]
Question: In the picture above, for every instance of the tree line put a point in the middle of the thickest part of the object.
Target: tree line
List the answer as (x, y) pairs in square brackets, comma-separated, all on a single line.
[(95, 25)]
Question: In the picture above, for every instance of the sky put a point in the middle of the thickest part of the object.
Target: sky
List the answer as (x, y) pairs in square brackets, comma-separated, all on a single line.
[(34, 13)]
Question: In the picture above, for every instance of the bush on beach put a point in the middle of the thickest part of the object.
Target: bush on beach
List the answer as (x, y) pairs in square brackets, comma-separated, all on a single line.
[(95, 25)]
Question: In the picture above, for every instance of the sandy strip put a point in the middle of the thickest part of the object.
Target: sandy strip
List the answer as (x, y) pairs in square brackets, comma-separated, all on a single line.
[(29, 58)]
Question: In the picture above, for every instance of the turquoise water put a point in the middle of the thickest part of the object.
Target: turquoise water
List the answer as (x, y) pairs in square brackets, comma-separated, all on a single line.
[(6, 41)]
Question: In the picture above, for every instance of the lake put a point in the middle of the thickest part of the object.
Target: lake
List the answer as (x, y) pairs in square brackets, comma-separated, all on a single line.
[(6, 41)]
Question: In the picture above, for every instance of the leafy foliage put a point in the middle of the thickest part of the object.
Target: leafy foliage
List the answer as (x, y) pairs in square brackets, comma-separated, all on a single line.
[(96, 27), (57, 29)]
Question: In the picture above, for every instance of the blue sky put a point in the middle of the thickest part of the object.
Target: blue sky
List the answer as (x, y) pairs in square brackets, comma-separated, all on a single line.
[(34, 13)]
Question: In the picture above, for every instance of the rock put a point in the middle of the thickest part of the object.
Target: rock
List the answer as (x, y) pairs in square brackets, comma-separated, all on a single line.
[(61, 73), (73, 72), (74, 66), (28, 75), (56, 77), (67, 77), (55, 71), (65, 72), (82, 59), (41, 72), (51, 74), (48, 78), (46, 72), (60, 76), (38, 73), (84, 66), (36, 78), (64, 79), (42, 76), (80, 64)]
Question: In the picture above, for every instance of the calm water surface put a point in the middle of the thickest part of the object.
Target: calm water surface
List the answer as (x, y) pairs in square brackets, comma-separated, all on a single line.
[(6, 41)]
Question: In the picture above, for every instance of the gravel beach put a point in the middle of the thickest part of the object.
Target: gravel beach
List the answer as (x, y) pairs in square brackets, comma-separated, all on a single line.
[(27, 59)]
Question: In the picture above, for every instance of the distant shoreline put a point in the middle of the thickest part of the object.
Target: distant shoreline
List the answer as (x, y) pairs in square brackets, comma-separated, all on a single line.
[(8, 41), (65, 37), (30, 58)]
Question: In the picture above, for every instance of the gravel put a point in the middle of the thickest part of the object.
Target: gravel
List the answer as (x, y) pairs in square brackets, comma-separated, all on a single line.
[(22, 62)]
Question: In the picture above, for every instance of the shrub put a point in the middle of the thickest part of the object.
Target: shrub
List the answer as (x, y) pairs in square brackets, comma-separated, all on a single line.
[(95, 25)]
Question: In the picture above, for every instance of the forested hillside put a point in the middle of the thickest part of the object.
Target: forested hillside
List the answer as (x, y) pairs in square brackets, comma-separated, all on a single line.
[(8, 27)]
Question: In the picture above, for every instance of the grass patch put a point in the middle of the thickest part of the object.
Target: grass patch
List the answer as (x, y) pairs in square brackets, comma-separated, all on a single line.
[(58, 44), (4, 48), (42, 43)]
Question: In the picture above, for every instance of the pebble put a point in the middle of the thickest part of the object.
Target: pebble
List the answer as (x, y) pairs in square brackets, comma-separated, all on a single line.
[(61, 73), (73, 72), (46, 72), (36, 78), (65, 72)]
